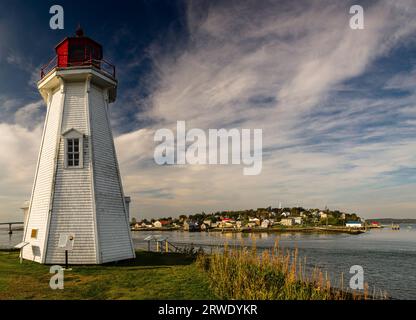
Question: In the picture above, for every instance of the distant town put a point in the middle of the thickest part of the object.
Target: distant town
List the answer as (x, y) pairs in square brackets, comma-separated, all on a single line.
[(260, 219)]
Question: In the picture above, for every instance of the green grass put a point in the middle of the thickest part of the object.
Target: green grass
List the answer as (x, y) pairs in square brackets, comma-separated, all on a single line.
[(149, 276)]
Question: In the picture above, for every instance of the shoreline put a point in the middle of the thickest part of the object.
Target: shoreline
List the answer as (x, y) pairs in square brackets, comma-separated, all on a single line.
[(267, 230)]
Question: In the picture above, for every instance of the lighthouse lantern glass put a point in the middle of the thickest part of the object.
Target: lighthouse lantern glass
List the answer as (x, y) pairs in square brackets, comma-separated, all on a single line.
[(79, 51)]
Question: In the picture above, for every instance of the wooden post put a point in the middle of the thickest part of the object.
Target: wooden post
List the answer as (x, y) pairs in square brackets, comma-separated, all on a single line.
[(157, 246), (167, 246), (10, 228)]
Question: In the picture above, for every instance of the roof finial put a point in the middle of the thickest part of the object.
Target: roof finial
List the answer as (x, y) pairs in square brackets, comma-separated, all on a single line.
[(79, 32)]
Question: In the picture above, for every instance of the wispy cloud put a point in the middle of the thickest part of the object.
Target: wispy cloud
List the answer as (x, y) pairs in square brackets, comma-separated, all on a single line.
[(280, 66)]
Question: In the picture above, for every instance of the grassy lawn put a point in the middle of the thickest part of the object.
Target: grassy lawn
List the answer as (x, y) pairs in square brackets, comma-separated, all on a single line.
[(149, 276)]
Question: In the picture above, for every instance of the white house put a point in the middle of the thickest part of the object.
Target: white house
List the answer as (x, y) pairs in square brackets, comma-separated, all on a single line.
[(157, 224), (77, 194), (297, 220), (265, 223), (204, 227), (323, 215), (254, 220), (287, 222), (353, 224)]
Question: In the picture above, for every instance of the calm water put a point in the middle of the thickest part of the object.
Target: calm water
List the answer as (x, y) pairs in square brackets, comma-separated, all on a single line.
[(388, 257)]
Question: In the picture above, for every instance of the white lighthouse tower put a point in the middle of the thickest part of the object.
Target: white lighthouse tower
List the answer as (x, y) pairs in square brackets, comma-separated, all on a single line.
[(77, 191)]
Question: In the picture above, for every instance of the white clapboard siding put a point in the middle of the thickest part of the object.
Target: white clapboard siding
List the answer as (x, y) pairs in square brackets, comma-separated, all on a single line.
[(74, 111), (41, 197), (113, 229), (72, 210), (86, 201)]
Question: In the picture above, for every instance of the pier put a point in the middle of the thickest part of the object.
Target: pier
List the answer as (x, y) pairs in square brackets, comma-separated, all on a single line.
[(10, 225)]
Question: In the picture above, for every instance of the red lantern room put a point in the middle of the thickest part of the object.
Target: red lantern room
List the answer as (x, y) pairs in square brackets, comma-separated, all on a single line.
[(79, 51)]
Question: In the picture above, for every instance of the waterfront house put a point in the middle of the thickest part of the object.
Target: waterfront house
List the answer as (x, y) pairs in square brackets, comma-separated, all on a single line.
[(204, 227), (265, 223), (190, 226), (214, 224), (157, 224), (227, 223), (285, 214), (297, 220), (207, 222), (286, 222), (323, 215), (354, 224), (165, 223), (254, 220)]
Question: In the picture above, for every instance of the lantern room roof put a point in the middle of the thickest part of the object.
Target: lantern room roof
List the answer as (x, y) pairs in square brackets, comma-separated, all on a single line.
[(86, 38)]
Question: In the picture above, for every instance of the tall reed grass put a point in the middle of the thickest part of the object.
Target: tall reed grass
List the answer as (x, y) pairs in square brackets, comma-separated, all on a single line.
[(273, 274)]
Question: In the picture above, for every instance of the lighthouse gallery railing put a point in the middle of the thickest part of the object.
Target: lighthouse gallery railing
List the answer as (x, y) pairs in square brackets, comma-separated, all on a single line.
[(102, 64)]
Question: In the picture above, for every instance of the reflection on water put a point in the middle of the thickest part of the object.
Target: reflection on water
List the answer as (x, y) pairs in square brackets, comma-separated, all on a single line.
[(388, 257)]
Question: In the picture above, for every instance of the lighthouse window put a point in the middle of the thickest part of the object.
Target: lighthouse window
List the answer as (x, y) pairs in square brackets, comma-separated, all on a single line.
[(73, 146), (34, 234), (76, 53), (73, 150)]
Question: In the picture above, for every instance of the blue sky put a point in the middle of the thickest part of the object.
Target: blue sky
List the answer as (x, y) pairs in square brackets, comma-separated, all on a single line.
[(336, 105)]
